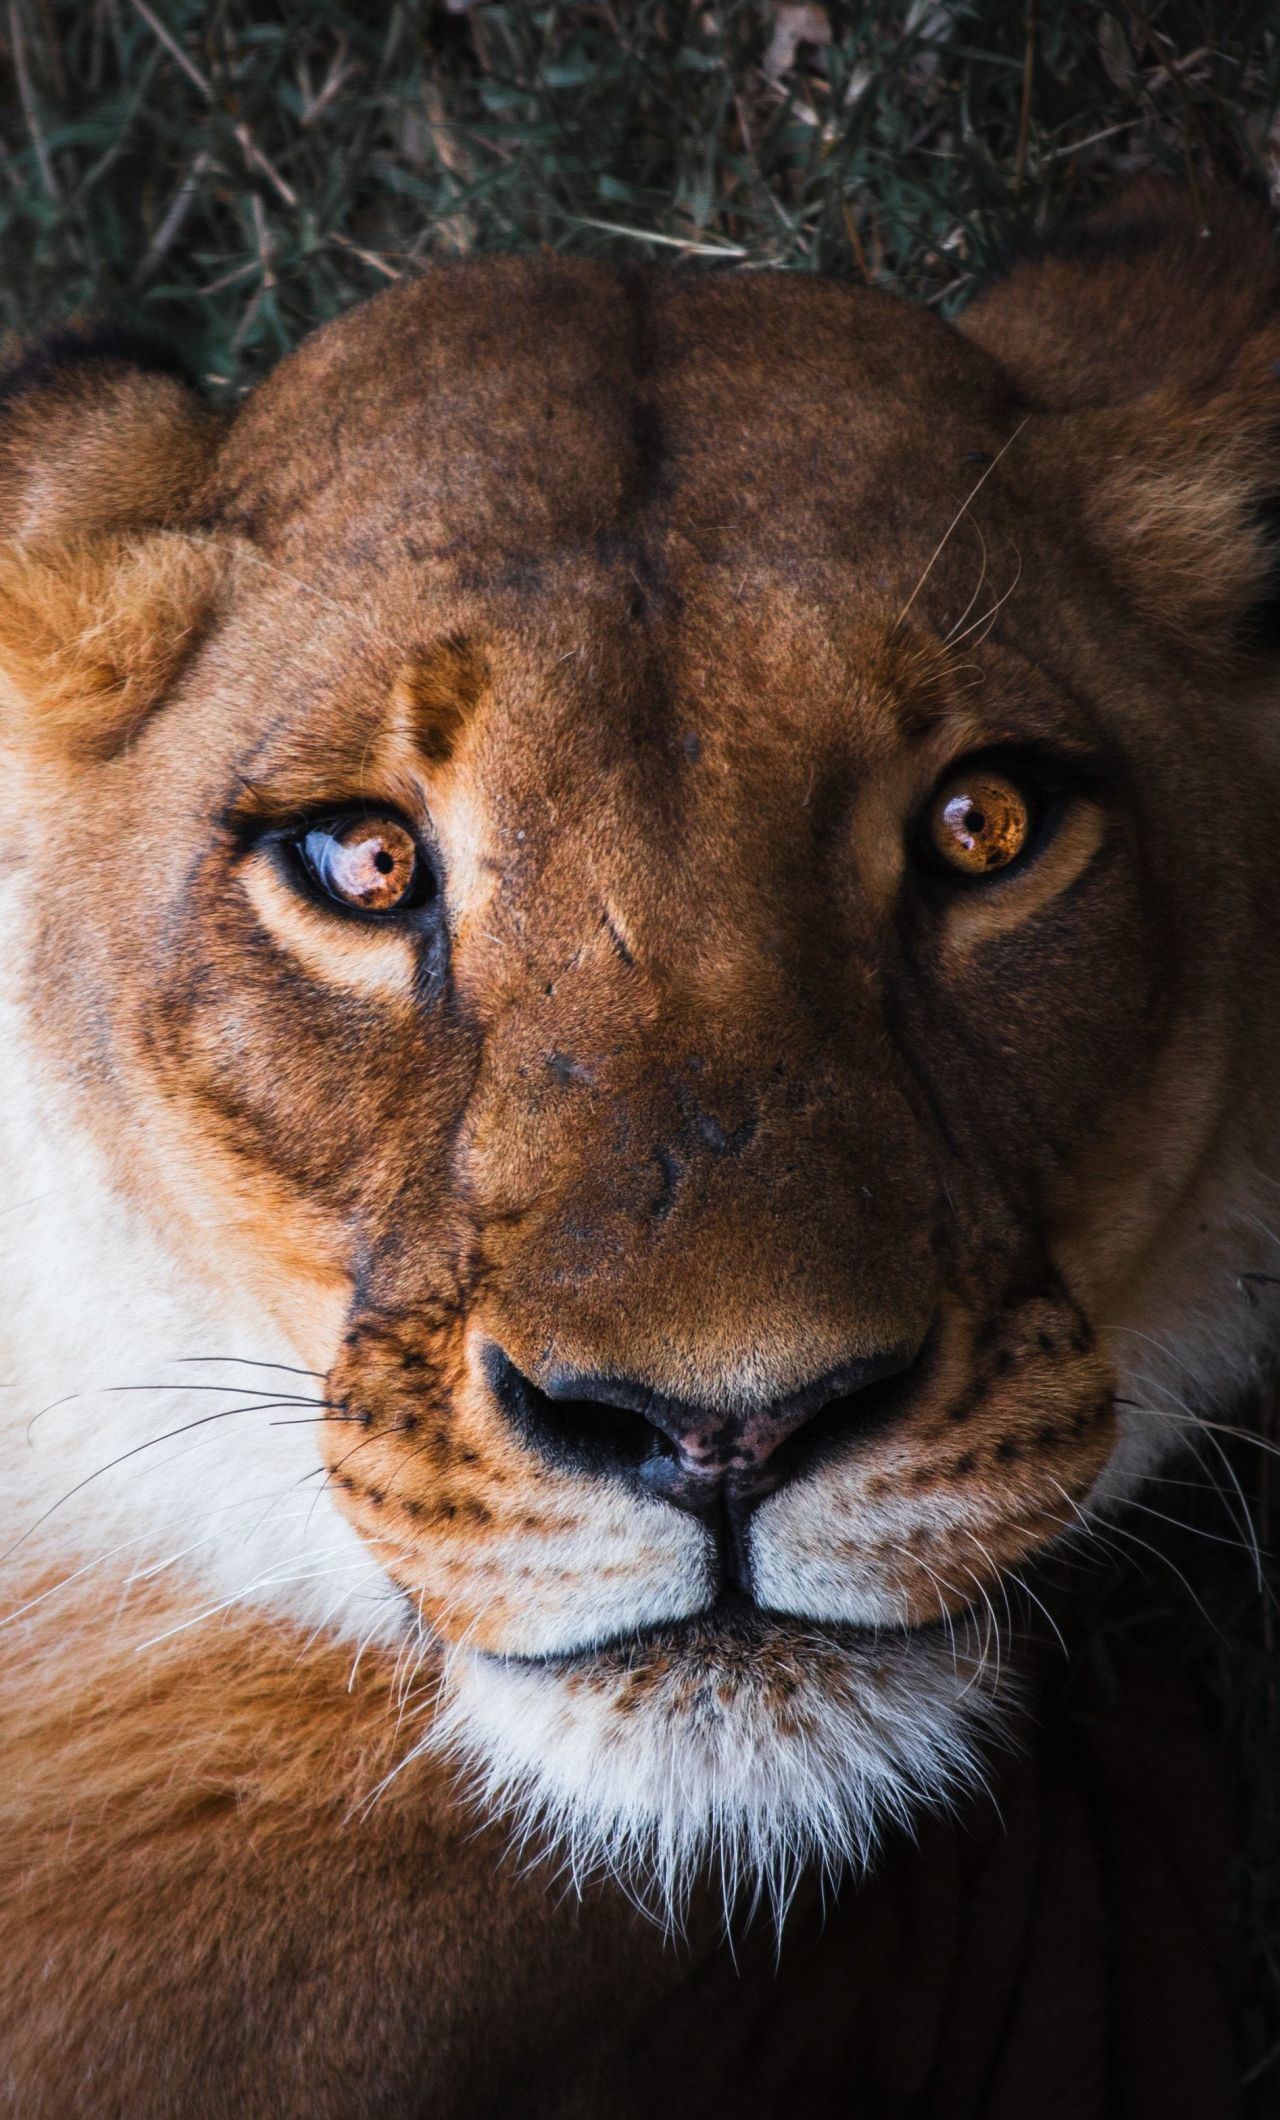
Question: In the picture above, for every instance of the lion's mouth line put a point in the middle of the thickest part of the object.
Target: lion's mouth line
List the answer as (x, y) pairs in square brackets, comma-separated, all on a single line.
[(736, 1622)]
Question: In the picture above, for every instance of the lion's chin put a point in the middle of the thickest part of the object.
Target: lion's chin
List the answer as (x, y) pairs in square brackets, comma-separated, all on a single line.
[(744, 1754)]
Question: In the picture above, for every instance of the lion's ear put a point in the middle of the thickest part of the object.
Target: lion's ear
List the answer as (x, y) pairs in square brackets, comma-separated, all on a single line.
[(94, 632), (106, 573), (100, 430), (1145, 343)]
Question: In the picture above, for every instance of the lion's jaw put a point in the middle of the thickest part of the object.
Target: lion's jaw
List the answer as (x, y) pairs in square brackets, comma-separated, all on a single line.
[(750, 1756)]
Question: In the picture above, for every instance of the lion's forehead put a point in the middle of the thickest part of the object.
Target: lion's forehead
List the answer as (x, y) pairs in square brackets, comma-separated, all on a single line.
[(502, 413)]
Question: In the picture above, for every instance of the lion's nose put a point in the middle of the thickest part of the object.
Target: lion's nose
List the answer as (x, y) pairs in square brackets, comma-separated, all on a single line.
[(695, 1456)]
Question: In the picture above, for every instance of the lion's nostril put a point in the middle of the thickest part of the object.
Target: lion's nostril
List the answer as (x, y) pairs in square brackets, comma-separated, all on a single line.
[(576, 1429), (690, 1455)]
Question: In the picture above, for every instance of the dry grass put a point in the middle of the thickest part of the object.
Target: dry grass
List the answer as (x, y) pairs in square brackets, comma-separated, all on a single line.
[(239, 172)]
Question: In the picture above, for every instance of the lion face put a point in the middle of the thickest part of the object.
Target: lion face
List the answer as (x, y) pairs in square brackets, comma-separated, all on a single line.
[(681, 920)]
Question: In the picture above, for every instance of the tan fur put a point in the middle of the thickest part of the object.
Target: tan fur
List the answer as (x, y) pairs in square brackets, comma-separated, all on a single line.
[(660, 607), (106, 624), (166, 1817)]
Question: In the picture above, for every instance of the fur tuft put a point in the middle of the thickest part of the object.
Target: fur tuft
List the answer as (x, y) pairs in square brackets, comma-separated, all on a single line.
[(94, 633), (746, 1762), (59, 358)]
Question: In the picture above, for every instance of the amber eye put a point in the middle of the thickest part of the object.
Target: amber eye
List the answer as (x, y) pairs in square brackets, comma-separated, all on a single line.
[(370, 862), (979, 821)]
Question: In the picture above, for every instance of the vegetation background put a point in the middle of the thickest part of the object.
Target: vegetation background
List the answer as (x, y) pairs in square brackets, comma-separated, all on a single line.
[(237, 172)]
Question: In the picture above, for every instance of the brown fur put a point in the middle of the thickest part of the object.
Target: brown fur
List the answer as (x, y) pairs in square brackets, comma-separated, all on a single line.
[(654, 599), (222, 1928)]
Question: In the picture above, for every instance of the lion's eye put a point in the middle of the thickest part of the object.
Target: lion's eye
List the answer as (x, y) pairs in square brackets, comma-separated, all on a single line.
[(979, 821), (370, 862)]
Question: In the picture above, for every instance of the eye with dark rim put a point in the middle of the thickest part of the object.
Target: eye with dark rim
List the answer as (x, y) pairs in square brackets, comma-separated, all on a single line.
[(991, 815), (365, 861)]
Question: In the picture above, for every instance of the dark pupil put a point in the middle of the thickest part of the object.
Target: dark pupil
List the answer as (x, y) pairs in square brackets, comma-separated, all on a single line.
[(352, 866), (975, 822)]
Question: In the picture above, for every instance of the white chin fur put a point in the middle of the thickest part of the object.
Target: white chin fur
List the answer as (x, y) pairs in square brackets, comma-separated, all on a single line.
[(750, 1759)]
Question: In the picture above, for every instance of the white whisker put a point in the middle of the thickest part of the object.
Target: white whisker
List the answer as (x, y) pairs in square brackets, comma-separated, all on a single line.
[(957, 518)]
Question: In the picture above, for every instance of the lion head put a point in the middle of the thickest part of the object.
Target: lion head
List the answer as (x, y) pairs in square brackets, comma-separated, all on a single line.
[(651, 896)]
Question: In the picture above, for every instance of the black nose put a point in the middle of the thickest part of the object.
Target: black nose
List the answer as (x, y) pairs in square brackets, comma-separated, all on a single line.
[(695, 1456)]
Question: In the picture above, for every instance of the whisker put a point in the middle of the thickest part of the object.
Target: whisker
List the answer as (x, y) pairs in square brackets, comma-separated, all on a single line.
[(991, 1631), (316, 1420), (1020, 1583), (70, 1397), (152, 1443), (960, 513), (988, 617), (269, 1581), (67, 1399), (977, 591), (245, 1362), (996, 1575), (940, 1584), (377, 1435), (64, 1582), (152, 1568), (170, 1560), (1243, 1524), (1196, 1420), (283, 1398), (1237, 1545), (1106, 1532)]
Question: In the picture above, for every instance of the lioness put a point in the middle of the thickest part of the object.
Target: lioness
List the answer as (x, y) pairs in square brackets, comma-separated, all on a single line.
[(640, 1018)]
